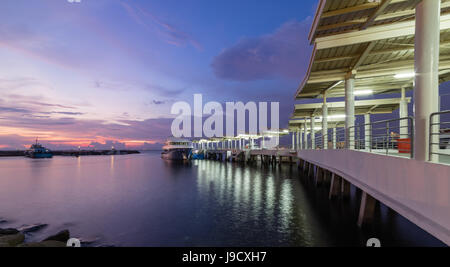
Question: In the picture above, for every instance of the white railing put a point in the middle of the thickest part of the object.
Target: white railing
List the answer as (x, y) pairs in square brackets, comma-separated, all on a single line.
[(389, 137), (439, 141)]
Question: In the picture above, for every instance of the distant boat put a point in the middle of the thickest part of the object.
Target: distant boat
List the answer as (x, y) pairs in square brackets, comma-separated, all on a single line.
[(177, 149), (37, 151)]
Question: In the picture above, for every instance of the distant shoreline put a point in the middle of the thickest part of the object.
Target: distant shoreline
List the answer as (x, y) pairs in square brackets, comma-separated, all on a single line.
[(72, 153)]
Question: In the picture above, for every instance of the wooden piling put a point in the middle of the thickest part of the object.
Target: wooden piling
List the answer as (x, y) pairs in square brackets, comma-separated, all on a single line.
[(335, 186), (367, 209)]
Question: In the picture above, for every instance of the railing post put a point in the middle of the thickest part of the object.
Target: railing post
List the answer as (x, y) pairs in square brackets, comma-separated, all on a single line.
[(411, 127), (387, 138)]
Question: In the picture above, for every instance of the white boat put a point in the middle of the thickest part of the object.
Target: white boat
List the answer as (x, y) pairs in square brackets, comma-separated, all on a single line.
[(177, 149), (37, 151)]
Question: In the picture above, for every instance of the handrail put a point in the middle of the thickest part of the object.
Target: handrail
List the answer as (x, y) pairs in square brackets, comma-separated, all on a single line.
[(436, 142), (393, 136)]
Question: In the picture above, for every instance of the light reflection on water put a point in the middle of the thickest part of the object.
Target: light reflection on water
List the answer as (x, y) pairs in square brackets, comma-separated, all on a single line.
[(141, 200)]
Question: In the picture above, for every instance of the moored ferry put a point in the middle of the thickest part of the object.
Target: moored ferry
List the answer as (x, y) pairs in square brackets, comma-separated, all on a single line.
[(177, 149), (38, 151)]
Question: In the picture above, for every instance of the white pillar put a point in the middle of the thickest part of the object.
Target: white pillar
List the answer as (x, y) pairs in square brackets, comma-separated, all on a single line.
[(403, 112), (426, 91), (262, 141), (305, 136), (293, 140), (334, 138), (300, 139), (367, 133), (325, 123), (313, 133), (349, 112), (297, 147)]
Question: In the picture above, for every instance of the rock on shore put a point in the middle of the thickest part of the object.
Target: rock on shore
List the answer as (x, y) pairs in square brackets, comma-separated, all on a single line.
[(12, 240), (15, 237)]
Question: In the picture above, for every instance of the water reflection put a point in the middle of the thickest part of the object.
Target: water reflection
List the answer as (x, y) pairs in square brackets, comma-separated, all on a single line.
[(247, 194), (141, 200)]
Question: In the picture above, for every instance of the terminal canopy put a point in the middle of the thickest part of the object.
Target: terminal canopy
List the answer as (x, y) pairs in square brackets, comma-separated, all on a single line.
[(337, 109), (372, 41), (299, 125)]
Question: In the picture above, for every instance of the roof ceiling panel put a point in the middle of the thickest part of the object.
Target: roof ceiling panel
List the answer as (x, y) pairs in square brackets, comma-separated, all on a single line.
[(380, 60)]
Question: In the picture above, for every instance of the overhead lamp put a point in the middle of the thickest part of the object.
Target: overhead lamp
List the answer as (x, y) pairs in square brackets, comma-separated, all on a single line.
[(363, 92), (337, 116), (405, 75)]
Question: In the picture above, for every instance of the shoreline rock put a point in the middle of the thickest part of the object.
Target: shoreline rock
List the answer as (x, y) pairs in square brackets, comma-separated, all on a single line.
[(11, 237), (9, 231), (12, 240), (62, 236), (31, 228)]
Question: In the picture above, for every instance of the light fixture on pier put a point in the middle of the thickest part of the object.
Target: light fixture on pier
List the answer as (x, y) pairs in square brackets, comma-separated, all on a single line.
[(405, 75), (364, 92), (337, 116)]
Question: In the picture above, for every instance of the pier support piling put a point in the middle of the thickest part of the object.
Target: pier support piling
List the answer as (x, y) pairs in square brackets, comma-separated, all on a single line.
[(367, 209), (335, 186), (319, 176), (345, 188)]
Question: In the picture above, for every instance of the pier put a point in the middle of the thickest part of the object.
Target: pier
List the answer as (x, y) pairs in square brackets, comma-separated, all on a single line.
[(246, 148), (400, 45), (371, 49)]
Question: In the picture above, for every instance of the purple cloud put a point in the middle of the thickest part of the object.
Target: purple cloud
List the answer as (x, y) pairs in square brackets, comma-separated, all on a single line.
[(283, 53), (171, 34)]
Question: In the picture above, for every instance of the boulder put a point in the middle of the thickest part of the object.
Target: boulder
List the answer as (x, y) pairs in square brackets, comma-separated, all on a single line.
[(62, 236), (32, 228), (12, 240), (8, 231), (44, 244)]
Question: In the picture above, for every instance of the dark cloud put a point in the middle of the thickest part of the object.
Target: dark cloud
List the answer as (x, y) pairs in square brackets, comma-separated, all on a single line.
[(283, 53), (107, 145), (13, 110), (164, 91), (168, 32), (67, 113)]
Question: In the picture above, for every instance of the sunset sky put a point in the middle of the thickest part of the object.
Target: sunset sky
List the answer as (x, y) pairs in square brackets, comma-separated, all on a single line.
[(109, 70), (104, 72)]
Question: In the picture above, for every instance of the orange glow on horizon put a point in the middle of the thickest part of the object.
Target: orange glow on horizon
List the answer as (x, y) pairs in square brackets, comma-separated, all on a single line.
[(27, 136)]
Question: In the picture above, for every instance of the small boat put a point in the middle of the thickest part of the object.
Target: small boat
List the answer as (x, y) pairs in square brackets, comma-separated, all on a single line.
[(37, 151), (177, 149)]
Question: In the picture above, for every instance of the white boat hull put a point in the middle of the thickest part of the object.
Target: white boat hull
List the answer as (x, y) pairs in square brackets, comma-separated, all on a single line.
[(176, 154)]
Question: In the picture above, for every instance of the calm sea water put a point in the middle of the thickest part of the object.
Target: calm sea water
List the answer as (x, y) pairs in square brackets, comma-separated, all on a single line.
[(141, 200)]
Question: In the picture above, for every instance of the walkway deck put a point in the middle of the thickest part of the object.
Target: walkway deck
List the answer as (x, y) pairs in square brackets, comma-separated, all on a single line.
[(395, 181)]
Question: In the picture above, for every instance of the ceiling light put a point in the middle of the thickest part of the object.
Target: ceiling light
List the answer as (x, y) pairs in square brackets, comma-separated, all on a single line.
[(364, 92), (405, 75), (337, 116)]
